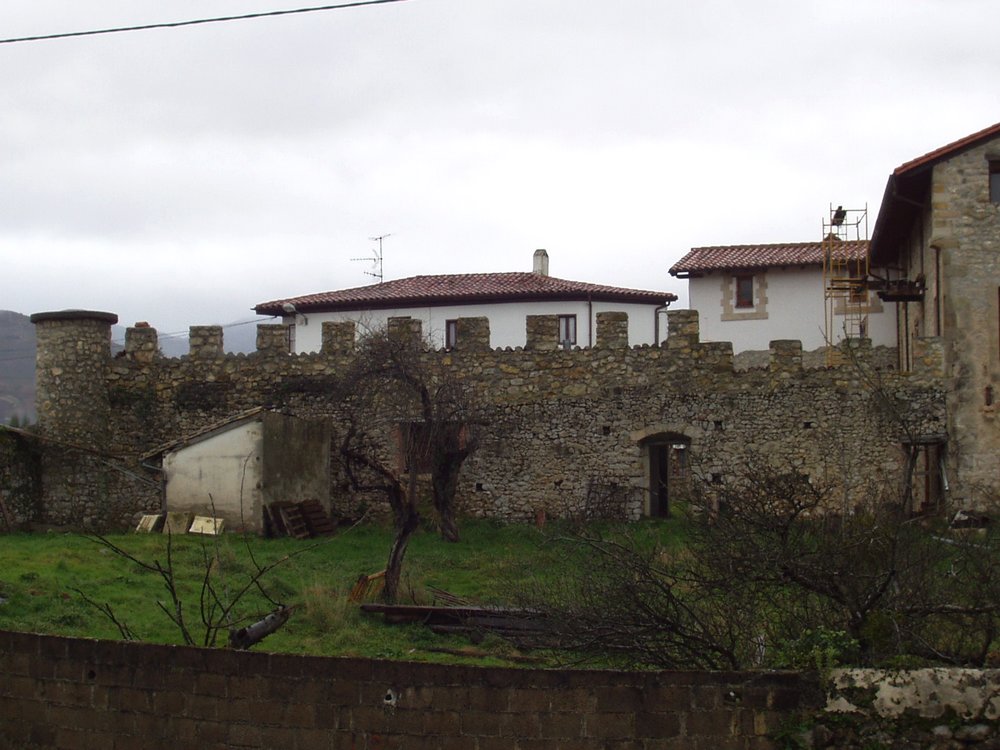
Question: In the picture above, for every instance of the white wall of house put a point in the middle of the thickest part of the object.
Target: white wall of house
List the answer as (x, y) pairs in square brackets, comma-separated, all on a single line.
[(789, 303), (507, 321), (225, 465)]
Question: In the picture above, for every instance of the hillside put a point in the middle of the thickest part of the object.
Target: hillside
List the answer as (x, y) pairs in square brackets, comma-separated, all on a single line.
[(17, 367)]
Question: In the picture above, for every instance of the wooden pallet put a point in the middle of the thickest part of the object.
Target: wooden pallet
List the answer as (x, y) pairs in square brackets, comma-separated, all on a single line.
[(294, 522), (368, 587), (302, 520), (274, 525), (316, 518)]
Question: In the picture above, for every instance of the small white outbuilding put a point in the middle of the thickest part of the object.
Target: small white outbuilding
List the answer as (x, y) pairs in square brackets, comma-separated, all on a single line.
[(232, 469)]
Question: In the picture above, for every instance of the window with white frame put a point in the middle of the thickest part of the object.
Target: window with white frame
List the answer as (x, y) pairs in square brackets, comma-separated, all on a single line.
[(567, 330)]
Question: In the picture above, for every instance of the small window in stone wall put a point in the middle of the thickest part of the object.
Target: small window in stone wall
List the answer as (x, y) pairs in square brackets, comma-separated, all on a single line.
[(450, 333), (995, 180), (744, 290)]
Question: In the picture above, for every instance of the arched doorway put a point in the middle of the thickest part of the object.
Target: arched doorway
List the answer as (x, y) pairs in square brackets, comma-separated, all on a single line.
[(667, 458)]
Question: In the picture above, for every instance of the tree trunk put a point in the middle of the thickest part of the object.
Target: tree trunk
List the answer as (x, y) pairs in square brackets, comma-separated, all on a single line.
[(443, 488), (444, 481), (246, 637), (407, 521)]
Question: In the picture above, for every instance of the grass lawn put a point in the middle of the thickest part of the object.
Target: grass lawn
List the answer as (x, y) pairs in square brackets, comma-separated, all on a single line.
[(47, 578)]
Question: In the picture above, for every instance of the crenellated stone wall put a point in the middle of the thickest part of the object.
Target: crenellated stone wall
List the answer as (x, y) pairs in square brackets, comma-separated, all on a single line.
[(564, 431), (20, 478)]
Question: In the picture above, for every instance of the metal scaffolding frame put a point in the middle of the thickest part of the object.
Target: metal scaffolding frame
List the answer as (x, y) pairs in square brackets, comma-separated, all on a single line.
[(845, 277)]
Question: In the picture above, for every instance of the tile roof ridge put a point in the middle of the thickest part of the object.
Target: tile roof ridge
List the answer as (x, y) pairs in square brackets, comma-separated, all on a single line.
[(946, 149)]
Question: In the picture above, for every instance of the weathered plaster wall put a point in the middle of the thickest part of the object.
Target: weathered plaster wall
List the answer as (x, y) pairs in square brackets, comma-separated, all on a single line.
[(557, 424), (219, 476)]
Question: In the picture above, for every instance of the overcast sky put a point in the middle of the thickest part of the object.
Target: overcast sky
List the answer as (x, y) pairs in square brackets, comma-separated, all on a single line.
[(181, 176)]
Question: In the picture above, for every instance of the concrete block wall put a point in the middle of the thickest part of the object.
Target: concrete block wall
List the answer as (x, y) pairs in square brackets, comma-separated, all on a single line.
[(78, 694)]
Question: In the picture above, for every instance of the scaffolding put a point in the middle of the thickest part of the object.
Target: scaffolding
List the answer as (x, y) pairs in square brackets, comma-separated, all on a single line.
[(845, 277)]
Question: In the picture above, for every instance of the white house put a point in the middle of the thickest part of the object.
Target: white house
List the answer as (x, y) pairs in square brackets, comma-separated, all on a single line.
[(754, 294), (505, 299)]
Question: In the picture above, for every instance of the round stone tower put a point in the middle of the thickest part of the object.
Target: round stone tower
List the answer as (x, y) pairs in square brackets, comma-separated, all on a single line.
[(71, 365)]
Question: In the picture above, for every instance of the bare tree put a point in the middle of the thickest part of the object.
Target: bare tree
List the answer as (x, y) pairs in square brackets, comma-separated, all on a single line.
[(218, 603), (402, 417)]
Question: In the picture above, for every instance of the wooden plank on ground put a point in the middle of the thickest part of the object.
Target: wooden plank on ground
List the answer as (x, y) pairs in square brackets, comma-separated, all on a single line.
[(177, 523), (368, 586), (150, 523), (206, 525)]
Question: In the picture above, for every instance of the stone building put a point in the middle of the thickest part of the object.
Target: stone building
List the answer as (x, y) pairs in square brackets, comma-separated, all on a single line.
[(613, 429), (935, 253)]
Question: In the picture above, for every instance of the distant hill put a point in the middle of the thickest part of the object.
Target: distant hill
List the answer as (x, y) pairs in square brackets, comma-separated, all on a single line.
[(236, 337), (17, 359), (17, 368)]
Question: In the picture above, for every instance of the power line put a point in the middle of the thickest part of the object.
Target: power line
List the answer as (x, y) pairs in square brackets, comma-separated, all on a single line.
[(176, 24)]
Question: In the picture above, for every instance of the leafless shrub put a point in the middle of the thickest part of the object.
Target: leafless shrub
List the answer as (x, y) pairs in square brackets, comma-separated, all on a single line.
[(766, 562)]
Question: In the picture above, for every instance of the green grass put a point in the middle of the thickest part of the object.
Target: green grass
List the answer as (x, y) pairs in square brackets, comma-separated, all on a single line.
[(46, 579)]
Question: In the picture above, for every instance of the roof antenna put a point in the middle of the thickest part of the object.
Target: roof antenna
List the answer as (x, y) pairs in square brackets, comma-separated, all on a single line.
[(376, 258)]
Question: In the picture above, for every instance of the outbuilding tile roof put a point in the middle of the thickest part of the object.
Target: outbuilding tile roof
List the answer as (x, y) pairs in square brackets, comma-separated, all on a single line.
[(466, 288), (749, 257)]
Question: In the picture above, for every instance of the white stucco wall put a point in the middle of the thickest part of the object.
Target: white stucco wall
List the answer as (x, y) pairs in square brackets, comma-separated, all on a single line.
[(794, 306), (507, 321), (218, 465)]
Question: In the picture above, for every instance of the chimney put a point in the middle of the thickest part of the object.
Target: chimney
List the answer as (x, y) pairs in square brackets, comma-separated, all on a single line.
[(540, 264)]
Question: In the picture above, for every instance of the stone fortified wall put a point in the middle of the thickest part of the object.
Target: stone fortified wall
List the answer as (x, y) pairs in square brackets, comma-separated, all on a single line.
[(563, 428)]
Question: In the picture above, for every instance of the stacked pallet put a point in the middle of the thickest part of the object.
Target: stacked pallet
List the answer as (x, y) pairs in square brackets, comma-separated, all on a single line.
[(301, 519)]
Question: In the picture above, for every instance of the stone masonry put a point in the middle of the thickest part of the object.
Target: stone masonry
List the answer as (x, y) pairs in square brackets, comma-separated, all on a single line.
[(561, 428)]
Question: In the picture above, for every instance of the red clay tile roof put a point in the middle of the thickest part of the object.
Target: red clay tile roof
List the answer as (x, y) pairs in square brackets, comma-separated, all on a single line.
[(946, 151), (748, 257), (906, 190), (467, 288)]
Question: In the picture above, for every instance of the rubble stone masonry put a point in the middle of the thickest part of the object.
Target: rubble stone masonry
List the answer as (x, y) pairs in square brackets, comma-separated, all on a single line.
[(964, 232), (561, 428)]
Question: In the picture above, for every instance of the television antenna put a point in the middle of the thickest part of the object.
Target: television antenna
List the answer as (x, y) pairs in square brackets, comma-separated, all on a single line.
[(376, 258)]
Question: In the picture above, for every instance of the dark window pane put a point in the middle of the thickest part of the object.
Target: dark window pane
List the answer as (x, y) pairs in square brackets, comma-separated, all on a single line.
[(567, 329), (744, 291)]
